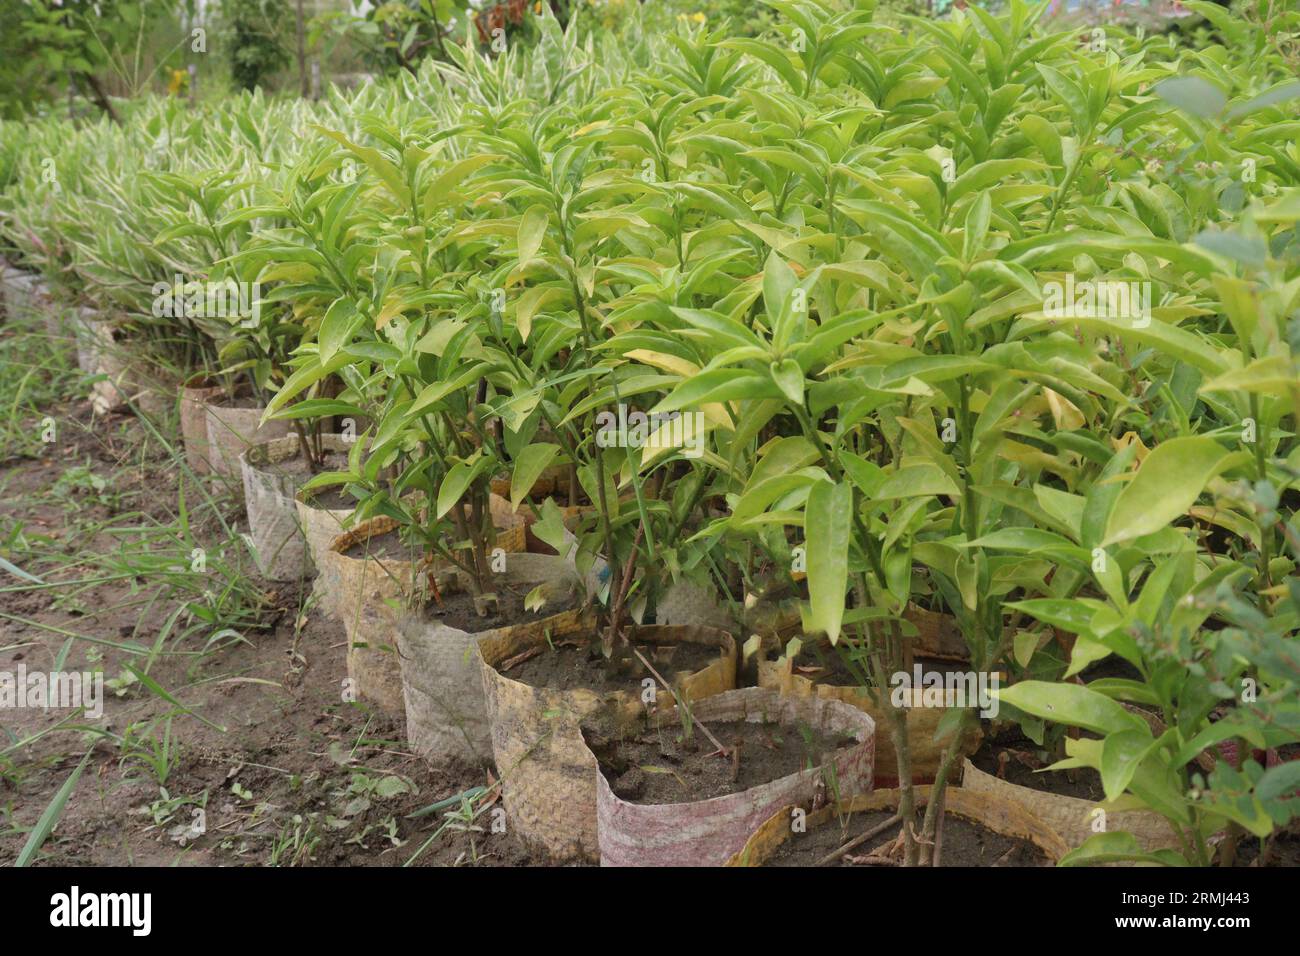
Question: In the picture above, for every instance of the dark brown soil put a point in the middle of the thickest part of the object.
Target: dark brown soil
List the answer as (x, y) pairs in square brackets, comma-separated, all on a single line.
[(458, 610), (660, 767), (567, 667), (1285, 851), (1113, 666), (238, 401), (1019, 767), (826, 665), (300, 467), (965, 843), (812, 846), (332, 499), (386, 545)]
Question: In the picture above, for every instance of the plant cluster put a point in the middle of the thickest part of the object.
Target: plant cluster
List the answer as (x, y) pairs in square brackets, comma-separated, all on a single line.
[(961, 314)]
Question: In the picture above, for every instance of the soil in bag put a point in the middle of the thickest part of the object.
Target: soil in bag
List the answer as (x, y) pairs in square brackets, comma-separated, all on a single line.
[(571, 665), (457, 609), (1015, 758), (965, 843), (663, 766), (299, 467), (331, 499)]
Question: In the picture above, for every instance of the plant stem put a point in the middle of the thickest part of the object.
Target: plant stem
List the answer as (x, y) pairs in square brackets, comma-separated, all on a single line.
[(934, 809)]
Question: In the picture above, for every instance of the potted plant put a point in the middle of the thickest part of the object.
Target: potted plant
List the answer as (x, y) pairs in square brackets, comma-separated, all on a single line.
[(663, 798)]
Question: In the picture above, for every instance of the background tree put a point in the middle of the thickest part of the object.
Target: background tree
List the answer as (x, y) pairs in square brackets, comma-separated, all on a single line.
[(256, 32), (96, 48)]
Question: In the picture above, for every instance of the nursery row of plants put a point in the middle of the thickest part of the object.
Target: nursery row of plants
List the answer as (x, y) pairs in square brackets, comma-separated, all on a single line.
[(727, 438)]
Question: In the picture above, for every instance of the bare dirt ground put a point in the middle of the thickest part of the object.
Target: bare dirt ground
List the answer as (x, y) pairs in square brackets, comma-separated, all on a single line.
[(256, 748)]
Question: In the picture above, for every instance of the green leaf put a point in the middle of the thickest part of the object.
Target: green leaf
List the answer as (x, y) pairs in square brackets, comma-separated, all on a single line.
[(989, 173), (337, 327), (452, 176), (1100, 498), (1234, 246), (159, 691), (1280, 782), (788, 159), (18, 572), (435, 392), (1120, 756), (1024, 644), (1117, 847), (550, 528), (1044, 136), (775, 57), (1279, 94), (1192, 95), (532, 301), (1068, 92), (391, 787), (912, 88), (532, 230), (378, 163), (1027, 540), (320, 408), (1070, 615), (966, 574), (1085, 652), (779, 284), (719, 385), (303, 378), (977, 227), (529, 464), (1072, 705), (828, 518), (866, 475), (915, 481), (789, 378), (1172, 341), (459, 477), (759, 496), (1271, 375), (1167, 483), (1215, 734)]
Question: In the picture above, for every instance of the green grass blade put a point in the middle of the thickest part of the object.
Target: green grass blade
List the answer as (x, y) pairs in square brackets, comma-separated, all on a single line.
[(53, 813)]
